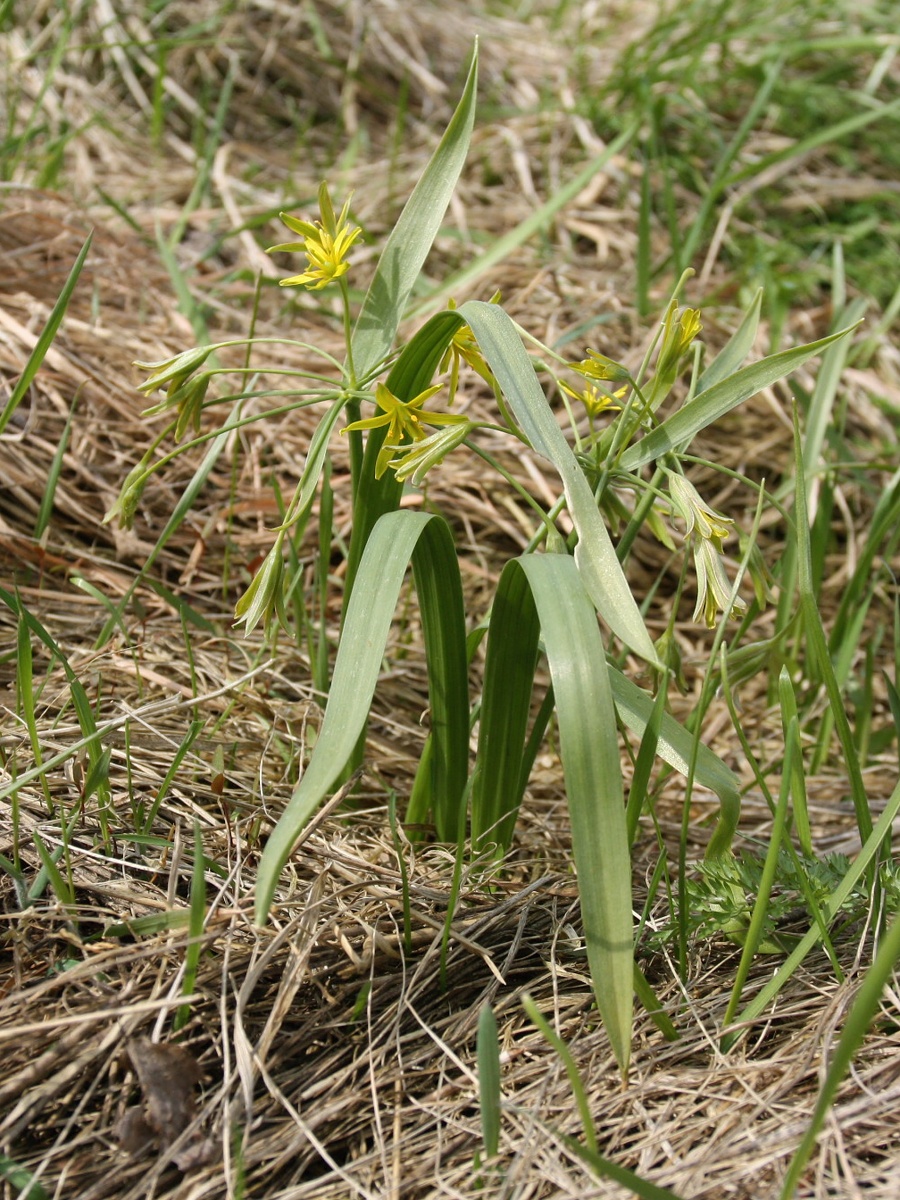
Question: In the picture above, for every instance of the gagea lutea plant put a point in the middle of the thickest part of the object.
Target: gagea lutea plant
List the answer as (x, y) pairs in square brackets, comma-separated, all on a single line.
[(394, 405)]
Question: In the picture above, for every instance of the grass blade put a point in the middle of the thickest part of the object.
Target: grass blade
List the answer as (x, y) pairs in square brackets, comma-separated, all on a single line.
[(736, 349), (45, 341), (533, 223), (676, 746), (831, 907), (860, 1017), (488, 1055)]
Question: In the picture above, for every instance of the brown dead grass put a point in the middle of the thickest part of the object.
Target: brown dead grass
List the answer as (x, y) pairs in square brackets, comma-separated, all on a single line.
[(332, 1063)]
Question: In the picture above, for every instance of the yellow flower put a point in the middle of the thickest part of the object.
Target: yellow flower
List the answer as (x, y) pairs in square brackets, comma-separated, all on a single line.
[(325, 243), (464, 349), (706, 530), (679, 331), (598, 366), (405, 419), (696, 513), (713, 586), (594, 400)]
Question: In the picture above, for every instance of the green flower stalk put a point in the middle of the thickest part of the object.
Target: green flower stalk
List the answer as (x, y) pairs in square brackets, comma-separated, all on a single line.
[(326, 244)]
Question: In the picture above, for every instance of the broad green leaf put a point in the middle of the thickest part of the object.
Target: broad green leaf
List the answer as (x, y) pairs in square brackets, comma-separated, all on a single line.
[(600, 569), (679, 430), (547, 590), (412, 238), (45, 341), (509, 666), (397, 539)]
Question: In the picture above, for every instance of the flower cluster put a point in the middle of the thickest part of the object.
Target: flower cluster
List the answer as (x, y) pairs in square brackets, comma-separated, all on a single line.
[(707, 530), (406, 434)]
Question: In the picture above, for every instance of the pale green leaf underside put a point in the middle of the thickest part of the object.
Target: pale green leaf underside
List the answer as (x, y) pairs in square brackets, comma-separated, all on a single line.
[(595, 556)]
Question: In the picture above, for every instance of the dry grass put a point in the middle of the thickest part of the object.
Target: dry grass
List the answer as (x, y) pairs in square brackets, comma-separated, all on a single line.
[(333, 1064)]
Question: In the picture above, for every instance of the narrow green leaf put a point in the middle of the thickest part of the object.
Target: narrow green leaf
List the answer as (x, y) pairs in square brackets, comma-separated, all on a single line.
[(60, 886), (151, 924), (831, 907), (598, 565), (605, 1168), (46, 508), (735, 350), (679, 430), (788, 705), (676, 747), (25, 1185), (44, 342), (821, 407), (865, 1006), (767, 878), (412, 237), (25, 687), (488, 1055), (191, 735), (818, 644), (532, 224), (182, 508), (195, 927)]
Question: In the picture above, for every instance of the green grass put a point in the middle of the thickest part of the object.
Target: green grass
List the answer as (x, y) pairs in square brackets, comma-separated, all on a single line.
[(717, 85)]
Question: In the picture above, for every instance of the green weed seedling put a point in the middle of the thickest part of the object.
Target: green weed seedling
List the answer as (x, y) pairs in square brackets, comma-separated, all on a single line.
[(383, 401)]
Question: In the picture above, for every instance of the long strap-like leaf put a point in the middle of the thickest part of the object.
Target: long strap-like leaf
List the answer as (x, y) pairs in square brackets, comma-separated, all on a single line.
[(398, 539), (600, 569), (546, 591), (412, 237)]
